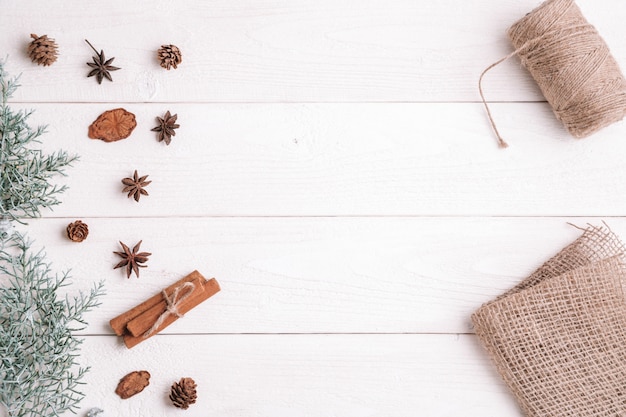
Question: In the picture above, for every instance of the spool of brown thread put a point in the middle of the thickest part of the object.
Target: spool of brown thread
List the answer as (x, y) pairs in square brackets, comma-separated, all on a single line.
[(572, 65)]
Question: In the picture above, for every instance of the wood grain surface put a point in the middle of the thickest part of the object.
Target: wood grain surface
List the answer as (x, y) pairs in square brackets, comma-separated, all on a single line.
[(334, 170)]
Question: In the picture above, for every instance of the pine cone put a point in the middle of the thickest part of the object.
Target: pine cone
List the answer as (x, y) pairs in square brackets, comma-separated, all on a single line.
[(42, 50), (170, 56), (77, 231), (183, 393)]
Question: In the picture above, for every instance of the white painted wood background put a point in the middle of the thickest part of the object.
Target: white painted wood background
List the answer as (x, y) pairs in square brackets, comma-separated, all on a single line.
[(335, 171)]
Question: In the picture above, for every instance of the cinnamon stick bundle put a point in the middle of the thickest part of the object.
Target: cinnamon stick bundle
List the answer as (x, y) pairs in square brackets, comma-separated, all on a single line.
[(159, 311)]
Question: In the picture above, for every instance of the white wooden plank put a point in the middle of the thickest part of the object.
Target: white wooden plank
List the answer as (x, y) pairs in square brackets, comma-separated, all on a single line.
[(314, 275), (303, 375), (360, 315), (282, 50), (340, 159)]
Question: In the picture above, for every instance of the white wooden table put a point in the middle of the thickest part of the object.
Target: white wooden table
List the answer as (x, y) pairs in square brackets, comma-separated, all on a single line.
[(335, 171)]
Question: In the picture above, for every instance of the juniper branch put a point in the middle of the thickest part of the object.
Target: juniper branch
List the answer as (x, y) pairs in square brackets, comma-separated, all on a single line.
[(39, 373), (25, 172)]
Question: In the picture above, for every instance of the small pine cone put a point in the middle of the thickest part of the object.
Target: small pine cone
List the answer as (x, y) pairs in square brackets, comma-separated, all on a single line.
[(77, 231), (170, 56), (42, 50), (183, 393)]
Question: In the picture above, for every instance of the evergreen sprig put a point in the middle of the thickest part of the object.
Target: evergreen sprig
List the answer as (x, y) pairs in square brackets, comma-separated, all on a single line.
[(25, 172), (39, 373)]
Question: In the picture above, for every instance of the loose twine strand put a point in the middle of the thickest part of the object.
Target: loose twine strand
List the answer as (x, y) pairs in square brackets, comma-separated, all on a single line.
[(572, 66), (501, 142), (179, 295)]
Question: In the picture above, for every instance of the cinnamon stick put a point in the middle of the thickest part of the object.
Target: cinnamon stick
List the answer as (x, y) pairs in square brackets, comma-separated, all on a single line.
[(141, 324), (118, 324), (137, 327)]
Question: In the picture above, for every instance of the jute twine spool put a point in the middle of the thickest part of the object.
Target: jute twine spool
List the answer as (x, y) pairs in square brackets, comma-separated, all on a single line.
[(572, 65)]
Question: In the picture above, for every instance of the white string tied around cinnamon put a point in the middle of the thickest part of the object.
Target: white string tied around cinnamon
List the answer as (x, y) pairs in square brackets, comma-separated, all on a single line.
[(179, 295)]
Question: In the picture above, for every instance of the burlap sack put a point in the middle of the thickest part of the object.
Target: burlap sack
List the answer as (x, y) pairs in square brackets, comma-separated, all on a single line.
[(558, 339)]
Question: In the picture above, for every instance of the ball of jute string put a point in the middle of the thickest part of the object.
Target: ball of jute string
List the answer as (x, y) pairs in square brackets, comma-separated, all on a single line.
[(572, 66)]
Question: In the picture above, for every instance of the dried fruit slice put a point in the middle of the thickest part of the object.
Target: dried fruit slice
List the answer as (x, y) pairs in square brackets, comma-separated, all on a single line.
[(133, 384), (113, 125)]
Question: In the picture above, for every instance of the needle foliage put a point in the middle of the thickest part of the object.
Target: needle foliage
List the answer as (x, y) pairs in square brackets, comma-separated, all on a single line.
[(39, 373), (25, 172)]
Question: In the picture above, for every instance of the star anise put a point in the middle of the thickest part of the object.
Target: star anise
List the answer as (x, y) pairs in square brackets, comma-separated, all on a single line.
[(166, 127), (132, 259), (101, 66), (135, 186)]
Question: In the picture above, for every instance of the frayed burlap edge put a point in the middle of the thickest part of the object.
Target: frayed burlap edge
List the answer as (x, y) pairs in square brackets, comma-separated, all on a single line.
[(595, 243), (558, 339)]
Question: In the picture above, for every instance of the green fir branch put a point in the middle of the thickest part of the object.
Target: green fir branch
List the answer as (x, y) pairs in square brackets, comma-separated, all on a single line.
[(25, 173), (39, 373)]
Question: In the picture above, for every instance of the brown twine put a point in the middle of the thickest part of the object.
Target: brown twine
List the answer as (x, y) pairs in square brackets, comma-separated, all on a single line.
[(558, 339), (572, 65), (178, 297)]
